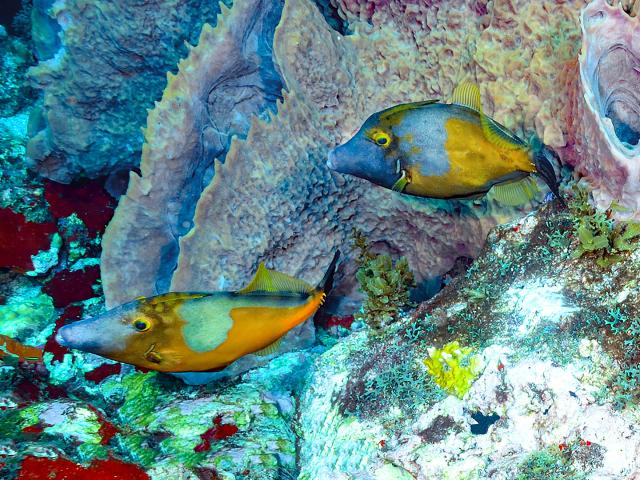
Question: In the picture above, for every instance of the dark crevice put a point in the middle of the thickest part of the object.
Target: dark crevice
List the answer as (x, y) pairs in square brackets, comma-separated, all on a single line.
[(626, 133), (8, 12), (331, 16)]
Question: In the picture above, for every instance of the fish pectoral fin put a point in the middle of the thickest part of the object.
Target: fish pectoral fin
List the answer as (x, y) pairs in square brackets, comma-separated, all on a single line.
[(270, 281), (270, 349), (468, 95), (515, 193), (401, 183)]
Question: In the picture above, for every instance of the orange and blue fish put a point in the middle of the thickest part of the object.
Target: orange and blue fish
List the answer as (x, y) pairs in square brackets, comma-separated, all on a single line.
[(201, 332), (447, 151)]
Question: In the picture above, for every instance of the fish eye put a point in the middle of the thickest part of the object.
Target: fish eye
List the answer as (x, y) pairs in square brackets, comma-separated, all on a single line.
[(141, 325), (381, 138)]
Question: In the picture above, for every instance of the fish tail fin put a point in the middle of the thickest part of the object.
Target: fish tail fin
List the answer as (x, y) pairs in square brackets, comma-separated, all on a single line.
[(326, 284), (542, 158)]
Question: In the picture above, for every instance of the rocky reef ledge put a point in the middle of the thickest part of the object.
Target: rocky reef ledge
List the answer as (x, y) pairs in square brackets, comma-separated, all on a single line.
[(523, 366)]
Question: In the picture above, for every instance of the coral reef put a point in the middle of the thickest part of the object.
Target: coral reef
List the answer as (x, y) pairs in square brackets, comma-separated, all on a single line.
[(100, 68), (509, 372), (554, 334), (152, 426), (15, 93), (605, 114)]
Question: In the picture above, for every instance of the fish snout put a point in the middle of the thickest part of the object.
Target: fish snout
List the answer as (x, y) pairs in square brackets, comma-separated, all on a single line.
[(331, 160), (60, 337), (100, 335)]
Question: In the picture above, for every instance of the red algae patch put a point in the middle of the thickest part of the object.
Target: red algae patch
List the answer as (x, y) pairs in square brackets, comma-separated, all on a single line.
[(70, 287), (219, 431), (107, 429), (20, 239), (37, 468), (87, 199), (103, 371)]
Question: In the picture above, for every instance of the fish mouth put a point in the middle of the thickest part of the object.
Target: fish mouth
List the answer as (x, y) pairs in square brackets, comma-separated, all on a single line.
[(66, 337), (60, 338), (93, 336), (331, 160)]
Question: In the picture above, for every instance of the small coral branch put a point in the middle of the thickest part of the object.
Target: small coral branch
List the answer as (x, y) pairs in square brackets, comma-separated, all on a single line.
[(385, 283)]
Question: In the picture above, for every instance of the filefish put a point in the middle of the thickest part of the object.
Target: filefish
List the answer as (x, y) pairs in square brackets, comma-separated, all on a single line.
[(201, 332), (447, 151)]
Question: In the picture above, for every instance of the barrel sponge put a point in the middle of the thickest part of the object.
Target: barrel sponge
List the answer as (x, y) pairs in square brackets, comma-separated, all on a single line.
[(223, 82), (522, 58), (110, 66), (604, 118), (517, 50), (273, 199)]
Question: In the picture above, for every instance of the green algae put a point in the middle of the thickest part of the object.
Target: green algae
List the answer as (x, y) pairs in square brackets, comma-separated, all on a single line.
[(141, 394), (599, 233), (385, 282), (137, 448), (27, 314), (548, 464)]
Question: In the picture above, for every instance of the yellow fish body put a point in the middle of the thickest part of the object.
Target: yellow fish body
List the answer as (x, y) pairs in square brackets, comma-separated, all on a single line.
[(445, 150), (197, 332)]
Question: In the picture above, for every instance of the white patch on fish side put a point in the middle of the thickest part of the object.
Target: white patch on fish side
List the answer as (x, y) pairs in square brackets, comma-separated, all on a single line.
[(426, 127), (207, 322)]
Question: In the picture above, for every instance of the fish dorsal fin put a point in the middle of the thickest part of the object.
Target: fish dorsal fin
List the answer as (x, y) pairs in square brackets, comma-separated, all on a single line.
[(468, 95), (515, 193), (403, 107), (270, 281), (500, 137), (270, 349)]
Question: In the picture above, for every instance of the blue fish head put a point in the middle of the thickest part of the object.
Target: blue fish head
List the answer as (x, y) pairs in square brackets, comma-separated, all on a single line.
[(104, 335), (362, 157)]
